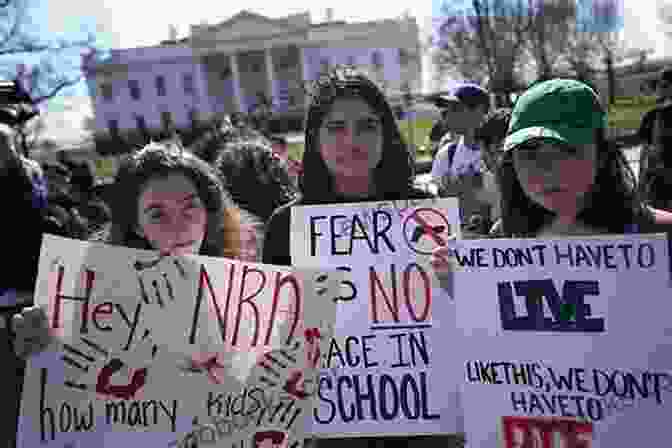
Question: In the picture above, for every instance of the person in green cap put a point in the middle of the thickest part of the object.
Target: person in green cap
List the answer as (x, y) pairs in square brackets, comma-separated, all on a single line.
[(559, 176)]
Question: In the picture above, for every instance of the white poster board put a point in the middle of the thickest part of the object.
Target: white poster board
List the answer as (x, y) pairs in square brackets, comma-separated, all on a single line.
[(567, 343), (392, 368), (160, 352)]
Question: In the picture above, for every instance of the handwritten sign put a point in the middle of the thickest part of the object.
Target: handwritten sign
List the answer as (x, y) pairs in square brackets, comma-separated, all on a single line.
[(163, 351), (387, 370), (567, 343)]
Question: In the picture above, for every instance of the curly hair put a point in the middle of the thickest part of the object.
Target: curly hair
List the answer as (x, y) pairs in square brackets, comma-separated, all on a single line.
[(255, 177), (159, 160), (394, 174), (614, 202), (208, 146)]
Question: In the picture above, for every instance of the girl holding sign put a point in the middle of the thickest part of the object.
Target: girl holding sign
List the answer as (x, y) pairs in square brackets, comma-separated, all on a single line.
[(354, 152), (166, 199), (559, 176)]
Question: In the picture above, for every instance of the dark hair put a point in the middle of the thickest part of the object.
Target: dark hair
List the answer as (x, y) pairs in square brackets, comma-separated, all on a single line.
[(493, 132), (158, 160), (394, 174), (208, 146), (614, 202), (255, 177)]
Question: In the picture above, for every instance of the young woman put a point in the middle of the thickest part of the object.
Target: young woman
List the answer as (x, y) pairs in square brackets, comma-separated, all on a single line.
[(165, 199), (560, 177), (354, 152), (655, 179)]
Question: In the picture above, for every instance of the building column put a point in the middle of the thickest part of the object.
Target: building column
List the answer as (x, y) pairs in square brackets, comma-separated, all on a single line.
[(270, 75), (235, 74)]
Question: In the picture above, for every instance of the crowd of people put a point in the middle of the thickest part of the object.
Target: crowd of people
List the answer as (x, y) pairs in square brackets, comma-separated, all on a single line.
[(543, 168)]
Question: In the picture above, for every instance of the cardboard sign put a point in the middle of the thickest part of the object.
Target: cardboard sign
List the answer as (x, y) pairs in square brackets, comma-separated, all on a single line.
[(168, 351), (388, 369), (567, 343)]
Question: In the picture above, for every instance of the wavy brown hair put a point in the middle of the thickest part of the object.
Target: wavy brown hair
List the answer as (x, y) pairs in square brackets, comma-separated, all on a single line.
[(158, 160)]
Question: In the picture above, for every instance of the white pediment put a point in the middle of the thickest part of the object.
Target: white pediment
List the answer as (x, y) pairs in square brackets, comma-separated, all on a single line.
[(250, 26)]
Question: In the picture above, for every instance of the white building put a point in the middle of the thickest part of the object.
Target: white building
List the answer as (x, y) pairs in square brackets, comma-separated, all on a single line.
[(223, 68)]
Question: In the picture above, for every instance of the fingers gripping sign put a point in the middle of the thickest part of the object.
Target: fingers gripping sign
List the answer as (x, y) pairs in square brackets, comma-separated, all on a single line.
[(31, 331)]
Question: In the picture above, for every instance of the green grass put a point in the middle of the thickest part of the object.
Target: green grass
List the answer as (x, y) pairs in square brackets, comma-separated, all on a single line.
[(627, 113)]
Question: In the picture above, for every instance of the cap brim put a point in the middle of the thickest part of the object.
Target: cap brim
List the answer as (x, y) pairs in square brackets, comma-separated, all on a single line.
[(569, 136)]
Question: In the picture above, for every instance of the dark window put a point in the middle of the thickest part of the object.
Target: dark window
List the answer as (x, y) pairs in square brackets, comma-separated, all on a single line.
[(188, 81), (141, 124), (403, 57), (324, 65), (226, 74), (134, 87), (106, 91), (377, 59), (166, 120), (113, 126), (351, 60), (160, 86), (193, 117)]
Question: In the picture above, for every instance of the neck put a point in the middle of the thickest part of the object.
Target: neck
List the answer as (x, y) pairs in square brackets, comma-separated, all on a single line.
[(351, 186), (468, 138)]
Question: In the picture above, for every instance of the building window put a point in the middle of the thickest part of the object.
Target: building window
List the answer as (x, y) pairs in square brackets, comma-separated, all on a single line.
[(377, 59), (141, 124), (351, 60), (324, 65), (113, 126), (226, 74), (403, 57), (193, 117), (188, 82), (106, 92), (255, 67), (160, 86), (134, 87), (166, 120)]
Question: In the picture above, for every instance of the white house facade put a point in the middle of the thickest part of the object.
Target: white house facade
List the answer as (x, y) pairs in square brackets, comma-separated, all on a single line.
[(225, 68)]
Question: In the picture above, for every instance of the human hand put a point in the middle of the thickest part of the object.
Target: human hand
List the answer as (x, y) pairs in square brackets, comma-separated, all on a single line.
[(443, 263), (32, 333)]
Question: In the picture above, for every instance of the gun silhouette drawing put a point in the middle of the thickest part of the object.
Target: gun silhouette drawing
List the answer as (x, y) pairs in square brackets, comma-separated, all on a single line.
[(421, 230)]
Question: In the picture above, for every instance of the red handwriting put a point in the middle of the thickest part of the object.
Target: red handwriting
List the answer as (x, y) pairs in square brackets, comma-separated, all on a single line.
[(124, 392), (534, 432)]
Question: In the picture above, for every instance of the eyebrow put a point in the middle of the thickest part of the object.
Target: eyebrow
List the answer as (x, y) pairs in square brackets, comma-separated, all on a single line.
[(369, 119), (153, 206)]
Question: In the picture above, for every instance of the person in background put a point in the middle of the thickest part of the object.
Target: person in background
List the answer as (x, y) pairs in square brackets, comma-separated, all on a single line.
[(457, 168), (22, 225), (258, 182), (560, 177), (490, 136), (645, 133), (439, 130), (656, 173)]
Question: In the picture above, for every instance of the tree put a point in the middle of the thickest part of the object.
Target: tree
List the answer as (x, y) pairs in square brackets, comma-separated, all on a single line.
[(484, 40), (51, 77)]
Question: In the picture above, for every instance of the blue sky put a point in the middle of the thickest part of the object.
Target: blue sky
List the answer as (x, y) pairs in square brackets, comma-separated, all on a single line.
[(131, 23)]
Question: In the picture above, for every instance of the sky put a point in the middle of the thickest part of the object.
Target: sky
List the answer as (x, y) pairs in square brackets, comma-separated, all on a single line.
[(133, 23)]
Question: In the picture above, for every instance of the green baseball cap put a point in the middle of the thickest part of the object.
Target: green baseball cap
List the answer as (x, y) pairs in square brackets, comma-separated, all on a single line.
[(560, 109)]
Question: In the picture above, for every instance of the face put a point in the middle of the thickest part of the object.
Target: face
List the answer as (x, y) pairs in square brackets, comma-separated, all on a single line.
[(556, 176), (171, 216), (351, 139)]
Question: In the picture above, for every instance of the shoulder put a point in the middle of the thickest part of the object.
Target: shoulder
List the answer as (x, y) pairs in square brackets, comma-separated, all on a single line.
[(282, 214)]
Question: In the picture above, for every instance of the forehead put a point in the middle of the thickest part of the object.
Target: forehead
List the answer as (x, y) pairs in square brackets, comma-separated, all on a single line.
[(174, 187), (349, 109)]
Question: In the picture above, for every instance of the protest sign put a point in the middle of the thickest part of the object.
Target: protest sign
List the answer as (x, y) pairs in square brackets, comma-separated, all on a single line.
[(169, 351), (567, 342), (388, 369)]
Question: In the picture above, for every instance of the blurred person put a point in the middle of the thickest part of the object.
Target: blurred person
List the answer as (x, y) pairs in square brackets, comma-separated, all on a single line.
[(458, 167), (259, 182), (25, 199), (656, 171)]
